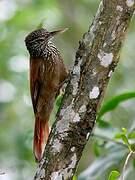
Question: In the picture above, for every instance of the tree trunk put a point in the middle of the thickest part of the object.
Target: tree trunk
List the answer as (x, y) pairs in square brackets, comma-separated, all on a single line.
[(96, 59)]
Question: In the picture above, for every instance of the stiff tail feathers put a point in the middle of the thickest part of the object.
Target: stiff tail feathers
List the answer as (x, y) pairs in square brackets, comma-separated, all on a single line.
[(41, 134)]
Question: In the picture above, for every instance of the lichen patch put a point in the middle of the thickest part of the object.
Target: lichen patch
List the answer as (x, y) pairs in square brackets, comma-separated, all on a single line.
[(66, 173), (94, 72), (55, 176), (56, 146), (82, 109), (73, 149), (68, 115), (42, 174), (76, 77), (75, 87), (94, 93), (76, 68), (119, 8), (73, 161), (105, 58), (62, 126), (130, 3), (113, 35), (76, 117)]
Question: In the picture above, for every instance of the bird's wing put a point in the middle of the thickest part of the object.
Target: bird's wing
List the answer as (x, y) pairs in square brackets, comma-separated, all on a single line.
[(63, 74), (63, 70), (35, 82)]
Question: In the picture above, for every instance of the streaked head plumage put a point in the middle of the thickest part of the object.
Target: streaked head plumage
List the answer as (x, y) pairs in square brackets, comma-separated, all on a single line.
[(39, 34), (37, 40)]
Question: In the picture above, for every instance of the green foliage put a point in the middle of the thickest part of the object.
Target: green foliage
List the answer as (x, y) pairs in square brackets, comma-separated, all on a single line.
[(125, 137), (58, 100), (74, 178), (131, 135), (114, 102), (114, 146), (114, 175)]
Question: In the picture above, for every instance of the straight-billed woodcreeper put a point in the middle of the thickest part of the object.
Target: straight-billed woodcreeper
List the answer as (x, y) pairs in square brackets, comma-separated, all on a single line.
[(47, 75)]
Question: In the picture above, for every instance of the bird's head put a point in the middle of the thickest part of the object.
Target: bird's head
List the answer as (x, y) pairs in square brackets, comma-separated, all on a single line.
[(37, 40)]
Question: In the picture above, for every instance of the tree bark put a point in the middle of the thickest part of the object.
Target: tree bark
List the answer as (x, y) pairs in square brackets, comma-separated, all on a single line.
[(96, 59)]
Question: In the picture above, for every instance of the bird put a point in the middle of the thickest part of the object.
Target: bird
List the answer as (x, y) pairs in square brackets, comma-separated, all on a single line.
[(47, 75)]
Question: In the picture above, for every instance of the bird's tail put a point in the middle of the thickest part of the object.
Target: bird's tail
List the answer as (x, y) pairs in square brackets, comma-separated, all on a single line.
[(41, 134)]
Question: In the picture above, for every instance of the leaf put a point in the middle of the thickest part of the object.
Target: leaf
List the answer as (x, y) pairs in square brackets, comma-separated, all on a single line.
[(118, 136), (131, 135), (125, 140), (114, 175), (114, 102), (74, 178), (58, 100), (133, 147), (124, 130), (123, 137), (101, 164)]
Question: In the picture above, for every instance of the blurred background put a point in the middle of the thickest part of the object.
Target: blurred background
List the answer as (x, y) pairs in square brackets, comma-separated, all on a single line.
[(17, 19)]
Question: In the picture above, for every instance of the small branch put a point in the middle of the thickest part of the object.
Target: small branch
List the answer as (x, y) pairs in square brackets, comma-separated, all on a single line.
[(129, 156), (96, 59), (109, 139)]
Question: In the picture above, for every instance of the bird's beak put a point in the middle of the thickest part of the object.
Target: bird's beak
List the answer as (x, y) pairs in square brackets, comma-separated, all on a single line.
[(53, 33)]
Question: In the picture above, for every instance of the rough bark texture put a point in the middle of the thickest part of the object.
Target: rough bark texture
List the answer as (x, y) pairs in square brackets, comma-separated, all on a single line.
[(96, 59)]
